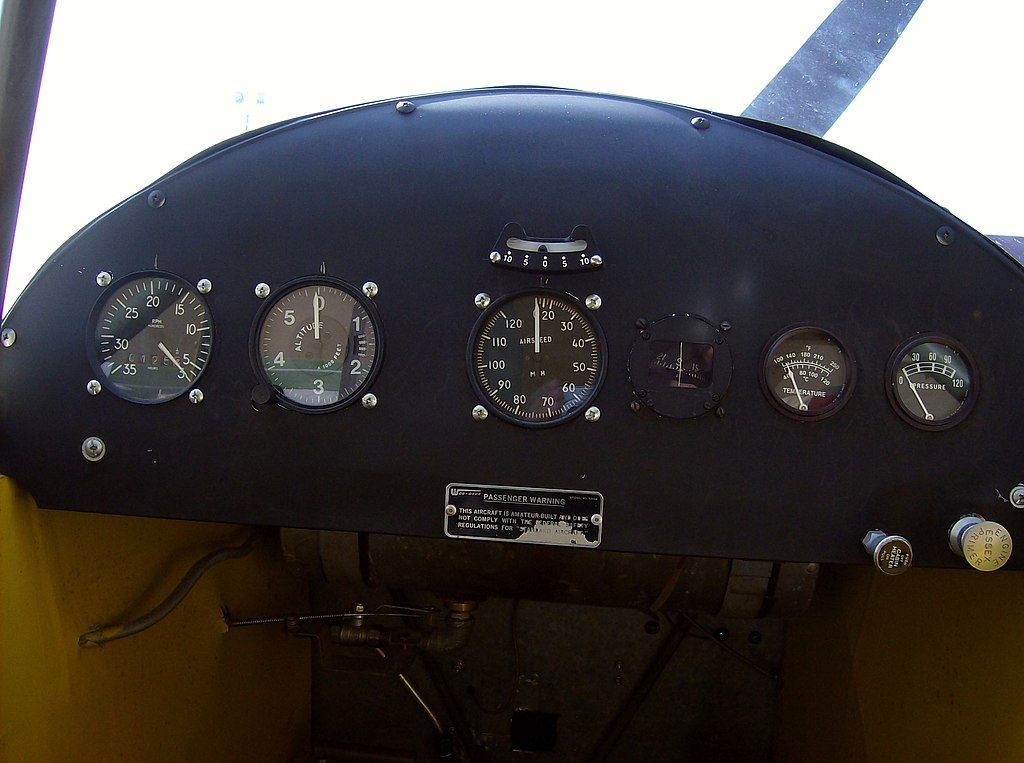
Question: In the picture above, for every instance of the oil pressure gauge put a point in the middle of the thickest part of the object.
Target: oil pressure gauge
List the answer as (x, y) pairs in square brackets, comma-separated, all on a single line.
[(318, 345), (807, 373), (931, 382)]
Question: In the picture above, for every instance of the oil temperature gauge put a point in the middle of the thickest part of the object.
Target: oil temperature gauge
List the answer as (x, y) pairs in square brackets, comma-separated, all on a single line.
[(807, 373), (931, 382)]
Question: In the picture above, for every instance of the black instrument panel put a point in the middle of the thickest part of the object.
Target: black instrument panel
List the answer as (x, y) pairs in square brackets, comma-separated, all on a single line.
[(738, 231)]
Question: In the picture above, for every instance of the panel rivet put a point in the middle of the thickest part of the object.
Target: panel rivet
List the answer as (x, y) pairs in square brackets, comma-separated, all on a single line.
[(945, 235), (495, 257), (479, 412), (593, 302), (700, 123), (103, 278), (370, 289), (482, 300), (93, 387), (93, 449), (156, 199), (204, 285), (8, 337), (405, 107), (593, 413), (450, 510), (596, 260), (195, 396), (262, 290), (369, 400)]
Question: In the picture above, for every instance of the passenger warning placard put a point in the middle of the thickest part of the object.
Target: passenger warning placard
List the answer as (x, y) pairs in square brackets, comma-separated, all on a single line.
[(523, 515)]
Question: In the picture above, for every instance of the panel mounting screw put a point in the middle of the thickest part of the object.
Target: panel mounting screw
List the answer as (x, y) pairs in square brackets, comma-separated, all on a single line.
[(482, 300), (156, 199), (593, 413), (593, 302), (1017, 497), (369, 400), (204, 285), (596, 260), (479, 412), (405, 107), (103, 278), (8, 337), (93, 449), (700, 123), (595, 519), (370, 289), (945, 235), (495, 257), (262, 290), (725, 325), (450, 510), (195, 396), (93, 387)]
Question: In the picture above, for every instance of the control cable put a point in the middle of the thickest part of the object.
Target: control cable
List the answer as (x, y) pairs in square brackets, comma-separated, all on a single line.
[(106, 634)]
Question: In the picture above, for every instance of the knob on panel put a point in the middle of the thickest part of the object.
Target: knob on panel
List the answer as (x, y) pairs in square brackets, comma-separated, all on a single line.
[(892, 554), (985, 545)]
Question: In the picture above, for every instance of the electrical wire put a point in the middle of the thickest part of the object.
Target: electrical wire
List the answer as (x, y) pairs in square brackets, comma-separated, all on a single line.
[(106, 634)]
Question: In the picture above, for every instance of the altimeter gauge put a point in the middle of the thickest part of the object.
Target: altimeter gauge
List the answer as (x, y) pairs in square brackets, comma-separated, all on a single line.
[(318, 344)]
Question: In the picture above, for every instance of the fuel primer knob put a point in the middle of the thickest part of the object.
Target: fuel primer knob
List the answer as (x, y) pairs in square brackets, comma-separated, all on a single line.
[(892, 554), (985, 545)]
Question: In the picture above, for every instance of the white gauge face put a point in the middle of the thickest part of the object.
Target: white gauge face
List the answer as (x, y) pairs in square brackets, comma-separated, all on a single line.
[(318, 345), (152, 337)]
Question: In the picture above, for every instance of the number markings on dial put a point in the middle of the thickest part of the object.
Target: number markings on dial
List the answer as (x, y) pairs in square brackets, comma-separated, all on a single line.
[(151, 346), (318, 346), (537, 358)]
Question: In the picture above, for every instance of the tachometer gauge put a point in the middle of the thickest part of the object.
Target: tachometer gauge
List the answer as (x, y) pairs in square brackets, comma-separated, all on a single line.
[(152, 337), (318, 345), (807, 373), (931, 382), (537, 358)]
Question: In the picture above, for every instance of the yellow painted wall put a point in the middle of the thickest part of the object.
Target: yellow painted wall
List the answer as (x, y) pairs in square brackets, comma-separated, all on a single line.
[(183, 690), (925, 666)]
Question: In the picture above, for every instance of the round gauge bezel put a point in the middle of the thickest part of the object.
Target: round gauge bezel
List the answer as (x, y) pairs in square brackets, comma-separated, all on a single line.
[(692, 403), (844, 396), (273, 299), (972, 394), (494, 307), (97, 310)]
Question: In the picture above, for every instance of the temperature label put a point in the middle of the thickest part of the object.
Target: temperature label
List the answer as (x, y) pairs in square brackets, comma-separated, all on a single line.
[(523, 515)]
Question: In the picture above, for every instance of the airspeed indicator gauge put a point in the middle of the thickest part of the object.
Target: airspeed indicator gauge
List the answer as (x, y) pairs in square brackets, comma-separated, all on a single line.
[(807, 373), (318, 345), (537, 358)]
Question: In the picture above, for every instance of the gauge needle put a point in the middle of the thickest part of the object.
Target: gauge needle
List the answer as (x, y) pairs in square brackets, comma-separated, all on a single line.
[(796, 387), (536, 326), (316, 316), (171, 358), (679, 376), (927, 416)]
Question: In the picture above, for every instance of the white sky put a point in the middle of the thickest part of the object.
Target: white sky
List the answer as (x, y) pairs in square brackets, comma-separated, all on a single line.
[(133, 88)]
